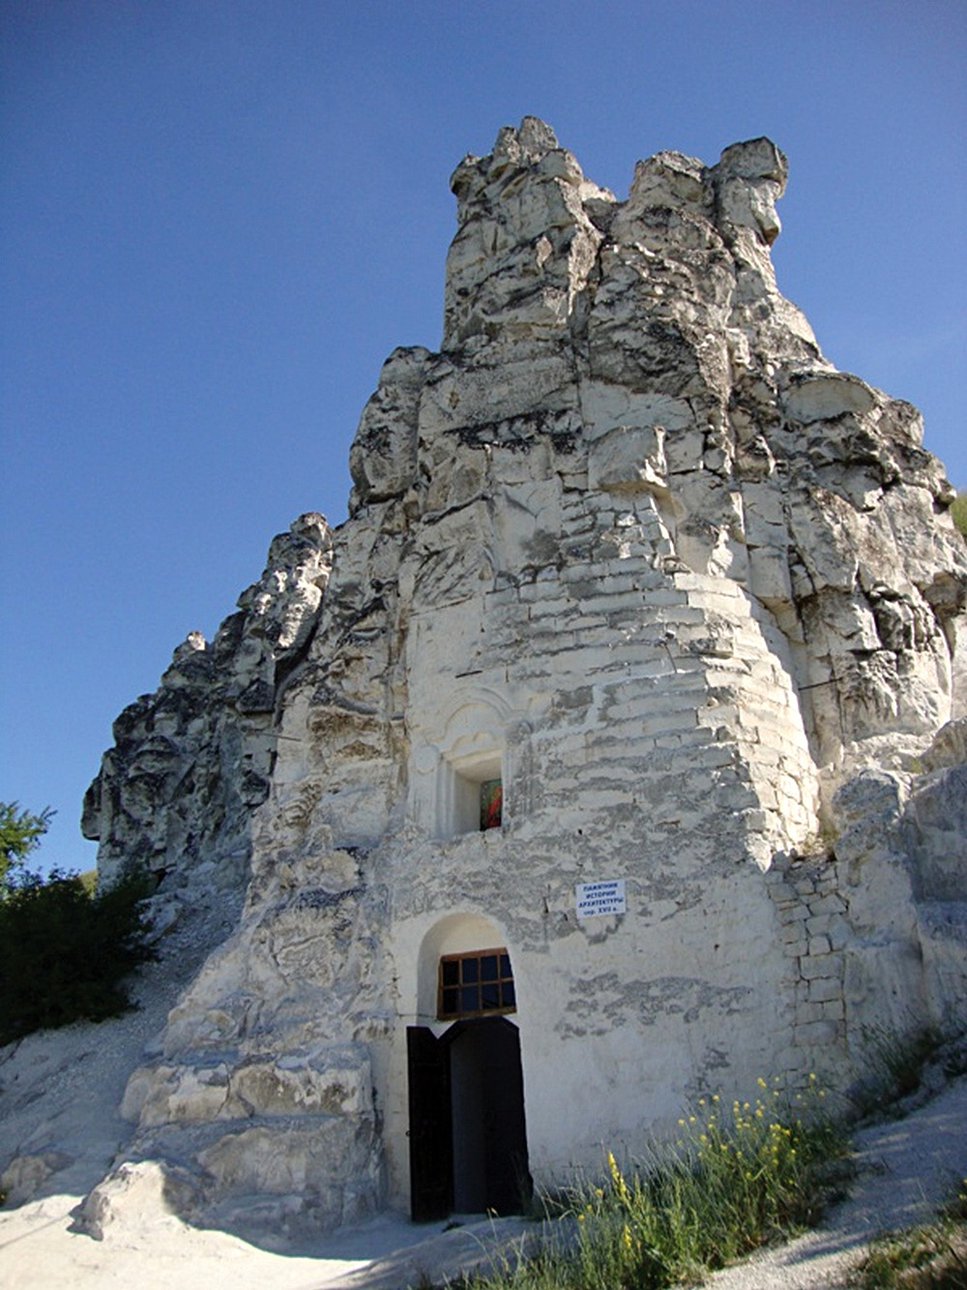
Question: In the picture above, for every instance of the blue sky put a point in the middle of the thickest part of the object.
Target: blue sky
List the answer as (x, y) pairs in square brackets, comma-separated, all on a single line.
[(217, 219)]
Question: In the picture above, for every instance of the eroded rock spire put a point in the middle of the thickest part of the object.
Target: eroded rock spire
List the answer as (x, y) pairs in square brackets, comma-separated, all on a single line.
[(637, 594)]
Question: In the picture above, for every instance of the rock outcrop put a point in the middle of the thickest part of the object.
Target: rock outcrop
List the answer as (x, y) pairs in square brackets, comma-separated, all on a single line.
[(632, 555), (192, 761)]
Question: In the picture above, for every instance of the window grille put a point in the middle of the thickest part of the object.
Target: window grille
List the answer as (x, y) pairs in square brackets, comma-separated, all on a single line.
[(476, 985)]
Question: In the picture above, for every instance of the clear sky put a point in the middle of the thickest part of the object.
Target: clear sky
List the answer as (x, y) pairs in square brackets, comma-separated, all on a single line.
[(218, 218)]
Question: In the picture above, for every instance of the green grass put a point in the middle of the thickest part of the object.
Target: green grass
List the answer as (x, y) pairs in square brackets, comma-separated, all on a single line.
[(958, 512), (737, 1178), (893, 1067)]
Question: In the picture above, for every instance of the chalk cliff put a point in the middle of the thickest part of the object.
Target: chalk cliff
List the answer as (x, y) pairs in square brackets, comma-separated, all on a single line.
[(631, 553)]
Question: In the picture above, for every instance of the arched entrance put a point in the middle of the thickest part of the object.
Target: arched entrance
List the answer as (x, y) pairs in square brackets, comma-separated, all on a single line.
[(468, 1136)]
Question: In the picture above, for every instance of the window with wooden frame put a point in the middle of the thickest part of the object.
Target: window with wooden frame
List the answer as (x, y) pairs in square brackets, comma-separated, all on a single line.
[(479, 984)]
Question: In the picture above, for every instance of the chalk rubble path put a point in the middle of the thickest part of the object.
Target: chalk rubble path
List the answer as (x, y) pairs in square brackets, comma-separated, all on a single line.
[(38, 1250), (907, 1169)]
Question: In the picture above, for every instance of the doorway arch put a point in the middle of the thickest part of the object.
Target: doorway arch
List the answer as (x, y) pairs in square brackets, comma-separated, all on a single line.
[(467, 1126)]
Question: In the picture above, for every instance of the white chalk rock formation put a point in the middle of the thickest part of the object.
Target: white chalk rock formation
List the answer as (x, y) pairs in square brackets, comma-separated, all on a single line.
[(636, 590), (193, 760)]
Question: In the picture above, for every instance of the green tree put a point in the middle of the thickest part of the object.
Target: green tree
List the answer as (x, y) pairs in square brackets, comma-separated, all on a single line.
[(65, 951), (65, 945), (20, 834)]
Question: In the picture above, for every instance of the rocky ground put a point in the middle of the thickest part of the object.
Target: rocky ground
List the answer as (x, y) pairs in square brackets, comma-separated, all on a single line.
[(59, 1094)]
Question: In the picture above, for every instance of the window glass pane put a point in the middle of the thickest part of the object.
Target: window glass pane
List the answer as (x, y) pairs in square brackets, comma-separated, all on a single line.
[(450, 1003), (471, 970), (469, 999), (451, 972), (505, 965), (488, 967), (490, 995), (509, 994)]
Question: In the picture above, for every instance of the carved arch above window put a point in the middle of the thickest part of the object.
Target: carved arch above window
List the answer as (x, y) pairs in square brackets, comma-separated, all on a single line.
[(473, 772)]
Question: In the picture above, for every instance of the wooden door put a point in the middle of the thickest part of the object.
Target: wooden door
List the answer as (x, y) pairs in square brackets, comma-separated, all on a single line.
[(509, 1184), (431, 1141)]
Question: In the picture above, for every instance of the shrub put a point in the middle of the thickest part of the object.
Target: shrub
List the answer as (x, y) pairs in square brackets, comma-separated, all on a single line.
[(64, 951), (958, 512)]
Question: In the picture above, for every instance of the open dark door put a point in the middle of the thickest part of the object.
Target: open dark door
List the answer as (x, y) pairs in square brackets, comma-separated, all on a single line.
[(431, 1132), (489, 1141), (509, 1185)]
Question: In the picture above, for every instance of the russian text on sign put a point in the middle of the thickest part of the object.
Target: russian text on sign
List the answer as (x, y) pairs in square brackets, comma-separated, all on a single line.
[(595, 898)]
